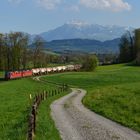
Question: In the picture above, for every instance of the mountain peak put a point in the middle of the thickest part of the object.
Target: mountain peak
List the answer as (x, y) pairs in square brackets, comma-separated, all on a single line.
[(77, 23), (82, 30)]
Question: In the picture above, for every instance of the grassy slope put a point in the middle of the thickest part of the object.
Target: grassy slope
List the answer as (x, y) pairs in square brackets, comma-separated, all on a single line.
[(113, 91), (14, 108)]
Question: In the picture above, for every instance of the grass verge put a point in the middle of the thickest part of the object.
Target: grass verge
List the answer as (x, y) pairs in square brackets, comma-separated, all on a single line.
[(45, 126), (113, 91), (15, 106)]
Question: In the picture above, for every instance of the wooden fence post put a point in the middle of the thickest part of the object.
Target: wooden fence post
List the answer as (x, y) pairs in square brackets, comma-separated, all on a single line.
[(58, 91), (34, 118), (30, 132), (55, 92), (30, 98), (36, 102)]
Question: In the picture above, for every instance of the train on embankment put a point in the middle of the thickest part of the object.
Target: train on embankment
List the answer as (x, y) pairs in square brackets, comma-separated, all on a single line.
[(40, 71)]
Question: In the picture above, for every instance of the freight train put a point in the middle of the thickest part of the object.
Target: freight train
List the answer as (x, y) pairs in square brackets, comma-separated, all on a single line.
[(40, 71)]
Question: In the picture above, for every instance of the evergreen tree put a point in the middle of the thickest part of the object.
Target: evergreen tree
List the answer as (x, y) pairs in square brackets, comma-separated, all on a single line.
[(125, 50)]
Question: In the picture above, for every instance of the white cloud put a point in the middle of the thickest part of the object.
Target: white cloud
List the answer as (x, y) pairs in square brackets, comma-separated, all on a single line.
[(49, 4), (114, 5)]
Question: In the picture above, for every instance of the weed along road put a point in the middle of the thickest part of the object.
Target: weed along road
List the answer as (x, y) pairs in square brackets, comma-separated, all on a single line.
[(75, 122)]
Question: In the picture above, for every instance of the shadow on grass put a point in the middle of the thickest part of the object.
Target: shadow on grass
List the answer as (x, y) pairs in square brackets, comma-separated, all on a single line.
[(2, 79), (132, 64)]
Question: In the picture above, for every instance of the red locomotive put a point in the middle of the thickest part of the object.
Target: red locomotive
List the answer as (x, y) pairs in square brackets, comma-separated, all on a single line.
[(27, 73), (17, 74)]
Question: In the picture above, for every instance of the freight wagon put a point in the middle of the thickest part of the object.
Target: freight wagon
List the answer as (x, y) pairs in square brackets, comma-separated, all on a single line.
[(40, 71)]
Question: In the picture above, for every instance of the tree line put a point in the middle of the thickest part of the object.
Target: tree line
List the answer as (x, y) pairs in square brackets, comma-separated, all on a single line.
[(130, 47), (16, 53)]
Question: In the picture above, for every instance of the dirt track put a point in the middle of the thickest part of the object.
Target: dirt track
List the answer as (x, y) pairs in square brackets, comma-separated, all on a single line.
[(75, 122)]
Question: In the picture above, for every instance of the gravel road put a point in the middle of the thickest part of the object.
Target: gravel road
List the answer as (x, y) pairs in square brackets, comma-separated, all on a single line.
[(75, 122)]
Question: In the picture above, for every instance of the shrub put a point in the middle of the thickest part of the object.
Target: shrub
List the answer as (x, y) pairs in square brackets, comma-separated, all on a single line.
[(90, 63)]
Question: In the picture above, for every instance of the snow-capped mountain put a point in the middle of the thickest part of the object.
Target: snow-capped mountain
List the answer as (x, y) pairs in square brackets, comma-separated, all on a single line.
[(82, 30)]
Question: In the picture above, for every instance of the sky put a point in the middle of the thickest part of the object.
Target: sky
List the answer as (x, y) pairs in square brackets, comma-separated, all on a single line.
[(37, 16)]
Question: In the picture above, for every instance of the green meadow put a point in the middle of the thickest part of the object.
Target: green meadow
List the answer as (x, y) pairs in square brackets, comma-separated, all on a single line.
[(15, 108), (113, 91)]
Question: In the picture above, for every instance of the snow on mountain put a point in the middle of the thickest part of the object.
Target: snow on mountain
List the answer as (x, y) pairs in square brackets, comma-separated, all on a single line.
[(82, 30)]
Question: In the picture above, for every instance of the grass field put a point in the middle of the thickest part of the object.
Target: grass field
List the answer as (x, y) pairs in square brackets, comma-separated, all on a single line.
[(14, 110), (113, 91)]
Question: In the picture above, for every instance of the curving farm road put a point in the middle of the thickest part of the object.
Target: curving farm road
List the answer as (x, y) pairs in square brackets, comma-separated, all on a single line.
[(75, 122)]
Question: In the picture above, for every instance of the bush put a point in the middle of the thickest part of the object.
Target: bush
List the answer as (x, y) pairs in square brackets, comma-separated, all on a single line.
[(90, 63)]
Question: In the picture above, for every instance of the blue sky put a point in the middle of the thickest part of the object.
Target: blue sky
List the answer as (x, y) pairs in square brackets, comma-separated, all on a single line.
[(36, 16)]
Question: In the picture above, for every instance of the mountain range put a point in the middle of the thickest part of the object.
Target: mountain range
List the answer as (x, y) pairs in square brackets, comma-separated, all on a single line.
[(79, 36), (82, 30)]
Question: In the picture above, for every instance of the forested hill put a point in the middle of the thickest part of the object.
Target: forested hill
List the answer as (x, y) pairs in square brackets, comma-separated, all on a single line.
[(84, 45)]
